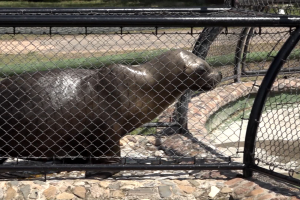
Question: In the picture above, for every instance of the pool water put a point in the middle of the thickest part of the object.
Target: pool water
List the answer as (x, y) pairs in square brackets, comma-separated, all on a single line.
[(278, 133)]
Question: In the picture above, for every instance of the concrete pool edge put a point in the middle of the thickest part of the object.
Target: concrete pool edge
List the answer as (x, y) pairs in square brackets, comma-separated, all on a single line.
[(202, 107)]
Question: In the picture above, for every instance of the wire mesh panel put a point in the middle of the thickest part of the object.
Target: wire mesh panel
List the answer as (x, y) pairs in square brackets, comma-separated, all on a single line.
[(63, 94), (41, 73), (277, 142), (131, 95), (264, 43), (46, 113), (251, 50)]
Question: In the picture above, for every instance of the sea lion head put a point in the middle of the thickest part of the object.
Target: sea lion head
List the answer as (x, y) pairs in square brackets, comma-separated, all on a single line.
[(199, 75)]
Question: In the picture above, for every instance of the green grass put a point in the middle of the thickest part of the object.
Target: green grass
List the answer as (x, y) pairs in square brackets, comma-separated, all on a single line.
[(32, 62), (251, 57), (230, 113), (132, 58), (145, 130)]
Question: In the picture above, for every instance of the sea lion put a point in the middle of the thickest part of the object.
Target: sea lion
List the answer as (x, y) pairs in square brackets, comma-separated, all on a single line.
[(76, 113)]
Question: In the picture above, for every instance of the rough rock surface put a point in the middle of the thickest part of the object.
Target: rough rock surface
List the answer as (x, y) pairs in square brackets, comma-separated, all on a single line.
[(155, 186)]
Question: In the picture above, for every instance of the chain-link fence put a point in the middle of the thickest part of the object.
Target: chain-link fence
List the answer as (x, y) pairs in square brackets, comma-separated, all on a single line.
[(140, 62), (168, 94)]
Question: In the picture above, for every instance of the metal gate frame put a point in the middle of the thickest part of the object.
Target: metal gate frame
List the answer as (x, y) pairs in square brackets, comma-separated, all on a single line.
[(259, 103)]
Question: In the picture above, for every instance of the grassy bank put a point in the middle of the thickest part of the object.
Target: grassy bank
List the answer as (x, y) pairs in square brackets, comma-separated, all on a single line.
[(251, 57), (86, 63), (132, 58)]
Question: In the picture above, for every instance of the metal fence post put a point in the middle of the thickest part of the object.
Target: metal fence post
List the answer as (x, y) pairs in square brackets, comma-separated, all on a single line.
[(181, 111)]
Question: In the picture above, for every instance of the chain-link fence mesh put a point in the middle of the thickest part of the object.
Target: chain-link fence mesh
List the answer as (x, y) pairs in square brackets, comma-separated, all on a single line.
[(48, 60), (47, 114), (122, 94), (233, 101), (277, 143)]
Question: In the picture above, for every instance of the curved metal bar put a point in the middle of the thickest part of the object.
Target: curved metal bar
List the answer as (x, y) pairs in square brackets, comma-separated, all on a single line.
[(245, 51), (259, 72), (259, 102), (206, 38), (239, 54)]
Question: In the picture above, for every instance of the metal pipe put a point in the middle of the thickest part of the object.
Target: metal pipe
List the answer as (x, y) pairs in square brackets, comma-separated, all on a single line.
[(182, 110), (117, 167), (276, 175), (145, 21), (259, 102), (110, 10)]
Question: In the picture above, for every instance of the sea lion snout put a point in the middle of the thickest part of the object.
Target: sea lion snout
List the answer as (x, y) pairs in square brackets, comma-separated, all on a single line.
[(213, 80), (204, 77), (200, 75), (207, 81)]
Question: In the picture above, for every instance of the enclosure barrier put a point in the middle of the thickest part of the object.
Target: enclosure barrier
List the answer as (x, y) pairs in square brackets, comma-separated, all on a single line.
[(55, 61)]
